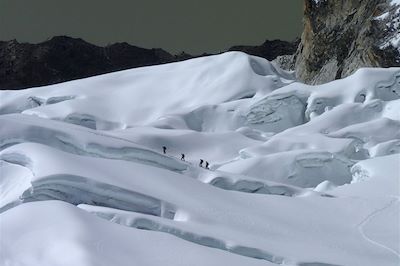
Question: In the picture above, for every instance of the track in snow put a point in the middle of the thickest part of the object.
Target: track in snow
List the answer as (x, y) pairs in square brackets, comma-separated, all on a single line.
[(368, 218)]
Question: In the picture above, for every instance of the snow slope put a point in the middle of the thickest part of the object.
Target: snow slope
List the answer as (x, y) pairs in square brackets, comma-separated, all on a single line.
[(299, 175)]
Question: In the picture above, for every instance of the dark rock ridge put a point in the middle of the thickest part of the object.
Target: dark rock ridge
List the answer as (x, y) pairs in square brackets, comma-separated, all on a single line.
[(60, 59), (269, 49), (341, 36), (24, 65)]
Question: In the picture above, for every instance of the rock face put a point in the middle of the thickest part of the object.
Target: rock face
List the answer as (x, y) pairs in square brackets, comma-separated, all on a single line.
[(341, 36)]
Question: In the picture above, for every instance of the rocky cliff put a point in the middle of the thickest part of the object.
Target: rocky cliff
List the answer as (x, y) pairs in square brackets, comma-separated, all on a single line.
[(341, 36)]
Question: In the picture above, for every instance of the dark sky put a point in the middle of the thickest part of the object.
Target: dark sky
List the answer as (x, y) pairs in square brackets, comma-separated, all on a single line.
[(194, 26)]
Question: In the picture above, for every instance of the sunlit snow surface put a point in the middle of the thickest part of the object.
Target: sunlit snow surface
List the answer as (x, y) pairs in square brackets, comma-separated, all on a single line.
[(299, 175)]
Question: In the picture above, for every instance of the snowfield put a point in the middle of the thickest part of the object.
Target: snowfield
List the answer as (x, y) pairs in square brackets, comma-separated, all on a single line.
[(299, 175)]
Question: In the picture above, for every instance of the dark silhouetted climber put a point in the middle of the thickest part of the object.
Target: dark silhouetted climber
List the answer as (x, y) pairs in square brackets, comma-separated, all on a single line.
[(201, 163), (363, 97), (164, 149), (183, 157), (207, 164)]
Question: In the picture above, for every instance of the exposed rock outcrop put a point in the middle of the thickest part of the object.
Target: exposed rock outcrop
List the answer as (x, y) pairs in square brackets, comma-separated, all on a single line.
[(341, 36)]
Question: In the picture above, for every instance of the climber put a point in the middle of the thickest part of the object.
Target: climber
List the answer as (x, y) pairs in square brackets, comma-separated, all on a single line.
[(207, 164), (201, 163), (164, 149), (363, 97), (183, 157)]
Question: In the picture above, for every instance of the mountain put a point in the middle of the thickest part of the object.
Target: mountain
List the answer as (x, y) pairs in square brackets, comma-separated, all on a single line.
[(269, 50), (339, 37), (299, 175), (61, 59), (24, 65), (342, 36)]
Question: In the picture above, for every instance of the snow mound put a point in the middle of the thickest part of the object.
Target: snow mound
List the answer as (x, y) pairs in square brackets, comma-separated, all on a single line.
[(185, 86), (374, 177)]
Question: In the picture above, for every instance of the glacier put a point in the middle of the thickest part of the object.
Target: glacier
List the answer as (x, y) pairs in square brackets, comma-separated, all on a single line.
[(299, 175)]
